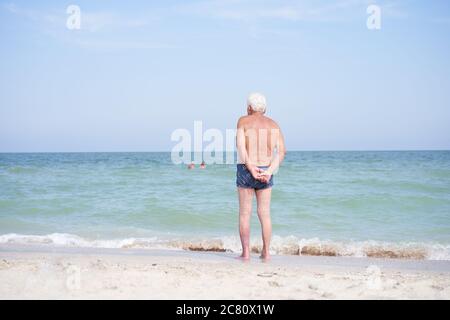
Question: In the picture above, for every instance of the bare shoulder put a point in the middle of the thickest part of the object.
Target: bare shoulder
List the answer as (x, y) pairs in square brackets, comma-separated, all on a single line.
[(272, 123), (242, 121)]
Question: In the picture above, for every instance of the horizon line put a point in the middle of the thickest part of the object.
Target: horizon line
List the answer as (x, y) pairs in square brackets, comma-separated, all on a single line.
[(298, 150)]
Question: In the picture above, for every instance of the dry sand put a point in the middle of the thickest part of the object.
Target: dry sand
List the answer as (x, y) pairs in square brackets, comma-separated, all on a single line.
[(42, 273)]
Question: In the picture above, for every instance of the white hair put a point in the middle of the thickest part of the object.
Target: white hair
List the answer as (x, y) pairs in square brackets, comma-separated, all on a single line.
[(257, 102)]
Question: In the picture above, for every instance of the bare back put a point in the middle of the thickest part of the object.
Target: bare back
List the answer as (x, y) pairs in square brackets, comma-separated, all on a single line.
[(262, 136)]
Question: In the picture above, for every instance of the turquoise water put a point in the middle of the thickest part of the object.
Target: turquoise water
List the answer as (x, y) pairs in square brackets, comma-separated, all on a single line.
[(394, 204)]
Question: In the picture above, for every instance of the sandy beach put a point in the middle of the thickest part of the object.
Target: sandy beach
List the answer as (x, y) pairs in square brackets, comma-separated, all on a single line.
[(74, 273), (145, 146)]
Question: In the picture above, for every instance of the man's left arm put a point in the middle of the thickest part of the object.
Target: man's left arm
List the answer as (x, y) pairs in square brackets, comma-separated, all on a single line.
[(278, 157)]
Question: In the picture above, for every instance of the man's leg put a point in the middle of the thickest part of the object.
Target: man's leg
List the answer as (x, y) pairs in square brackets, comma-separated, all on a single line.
[(245, 212), (263, 200)]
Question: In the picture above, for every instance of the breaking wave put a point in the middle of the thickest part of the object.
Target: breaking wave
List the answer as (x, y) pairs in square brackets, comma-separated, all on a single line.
[(280, 245)]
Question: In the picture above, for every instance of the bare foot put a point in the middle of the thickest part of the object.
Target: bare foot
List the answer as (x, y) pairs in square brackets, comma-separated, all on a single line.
[(265, 256), (243, 257)]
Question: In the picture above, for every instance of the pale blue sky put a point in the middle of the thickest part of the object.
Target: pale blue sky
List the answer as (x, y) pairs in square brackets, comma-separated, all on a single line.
[(137, 70)]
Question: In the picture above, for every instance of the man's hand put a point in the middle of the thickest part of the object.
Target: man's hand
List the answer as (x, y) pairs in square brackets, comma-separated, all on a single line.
[(254, 170), (264, 176), (259, 174)]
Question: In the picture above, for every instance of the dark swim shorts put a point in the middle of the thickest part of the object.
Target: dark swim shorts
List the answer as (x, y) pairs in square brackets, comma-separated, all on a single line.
[(244, 179)]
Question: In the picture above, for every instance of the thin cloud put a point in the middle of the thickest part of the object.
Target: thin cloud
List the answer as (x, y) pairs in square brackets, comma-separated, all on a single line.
[(290, 10), (91, 21), (98, 21), (97, 28), (119, 45)]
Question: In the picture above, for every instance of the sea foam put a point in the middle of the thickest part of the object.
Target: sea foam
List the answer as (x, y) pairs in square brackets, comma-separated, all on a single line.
[(289, 245)]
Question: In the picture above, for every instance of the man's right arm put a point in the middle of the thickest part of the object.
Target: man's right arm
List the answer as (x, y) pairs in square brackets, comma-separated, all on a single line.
[(279, 155)]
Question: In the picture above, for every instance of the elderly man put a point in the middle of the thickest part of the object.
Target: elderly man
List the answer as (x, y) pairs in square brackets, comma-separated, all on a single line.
[(261, 150)]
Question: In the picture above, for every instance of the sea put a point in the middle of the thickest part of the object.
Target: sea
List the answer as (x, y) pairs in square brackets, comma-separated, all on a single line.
[(384, 204)]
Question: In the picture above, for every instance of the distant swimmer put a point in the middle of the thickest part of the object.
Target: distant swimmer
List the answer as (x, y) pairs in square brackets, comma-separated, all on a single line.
[(203, 165), (191, 166)]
